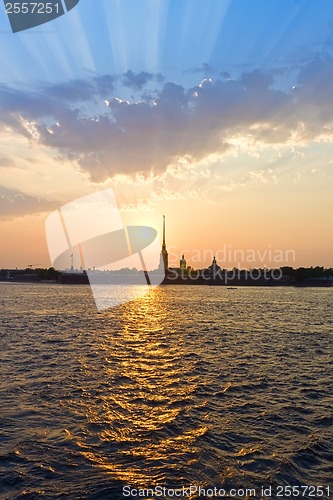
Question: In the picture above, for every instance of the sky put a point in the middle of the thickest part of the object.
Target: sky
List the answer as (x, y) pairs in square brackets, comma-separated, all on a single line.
[(216, 113)]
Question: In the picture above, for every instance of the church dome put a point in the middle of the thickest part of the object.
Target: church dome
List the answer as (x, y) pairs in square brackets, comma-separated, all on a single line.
[(214, 267)]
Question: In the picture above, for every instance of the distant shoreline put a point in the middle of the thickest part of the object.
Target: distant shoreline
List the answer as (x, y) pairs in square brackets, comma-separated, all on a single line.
[(230, 285), (285, 276)]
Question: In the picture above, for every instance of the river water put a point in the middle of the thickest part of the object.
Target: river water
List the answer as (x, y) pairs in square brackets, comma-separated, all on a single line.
[(185, 387)]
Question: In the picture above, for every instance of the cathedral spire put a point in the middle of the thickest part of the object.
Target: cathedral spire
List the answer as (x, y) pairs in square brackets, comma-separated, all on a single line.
[(164, 250), (164, 230)]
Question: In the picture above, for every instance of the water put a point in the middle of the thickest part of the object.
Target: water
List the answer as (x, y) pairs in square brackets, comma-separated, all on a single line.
[(199, 386)]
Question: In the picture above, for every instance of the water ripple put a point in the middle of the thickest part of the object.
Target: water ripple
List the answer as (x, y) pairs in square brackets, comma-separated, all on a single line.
[(185, 386)]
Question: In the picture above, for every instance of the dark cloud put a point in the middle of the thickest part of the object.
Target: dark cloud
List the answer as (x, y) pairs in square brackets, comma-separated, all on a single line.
[(171, 122), (6, 162), (137, 81), (105, 84), (257, 81), (50, 102), (315, 83), (15, 203), (81, 90), (225, 75), (74, 91), (204, 69)]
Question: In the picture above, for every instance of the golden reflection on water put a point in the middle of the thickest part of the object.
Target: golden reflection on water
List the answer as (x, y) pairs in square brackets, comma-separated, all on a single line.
[(146, 388), (137, 386)]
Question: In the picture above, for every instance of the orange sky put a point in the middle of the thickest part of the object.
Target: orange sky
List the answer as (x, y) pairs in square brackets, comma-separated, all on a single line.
[(263, 220), (182, 111)]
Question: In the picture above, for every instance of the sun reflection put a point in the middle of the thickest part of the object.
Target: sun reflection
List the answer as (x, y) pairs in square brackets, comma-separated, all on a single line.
[(136, 414)]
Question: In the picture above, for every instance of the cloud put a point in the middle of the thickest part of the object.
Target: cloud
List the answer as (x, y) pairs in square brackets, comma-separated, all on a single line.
[(136, 81), (205, 69), (15, 203), (80, 90), (74, 91), (257, 81), (315, 82), (157, 129), (6, 162)]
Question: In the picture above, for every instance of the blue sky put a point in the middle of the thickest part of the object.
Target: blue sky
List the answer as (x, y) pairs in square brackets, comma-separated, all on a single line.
[(192, 106), (170, 36)]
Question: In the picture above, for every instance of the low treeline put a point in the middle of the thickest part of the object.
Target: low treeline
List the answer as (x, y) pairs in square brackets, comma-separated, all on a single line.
[(302, 273), (295, 274), (49, 274)]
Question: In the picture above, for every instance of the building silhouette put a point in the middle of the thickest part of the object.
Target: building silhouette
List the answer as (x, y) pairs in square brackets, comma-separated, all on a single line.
[(182, 263)]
